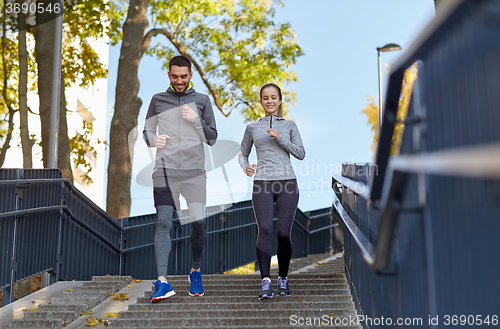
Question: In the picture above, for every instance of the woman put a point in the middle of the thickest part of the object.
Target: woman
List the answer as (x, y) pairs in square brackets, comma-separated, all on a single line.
[(275, 139)]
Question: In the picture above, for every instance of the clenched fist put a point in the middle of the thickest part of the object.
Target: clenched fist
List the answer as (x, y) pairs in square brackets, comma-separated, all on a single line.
[(188, 113), (161, 140), (251, 170)]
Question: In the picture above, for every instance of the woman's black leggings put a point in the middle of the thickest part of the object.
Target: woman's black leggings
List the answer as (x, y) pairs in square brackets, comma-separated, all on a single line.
[(285, 193)]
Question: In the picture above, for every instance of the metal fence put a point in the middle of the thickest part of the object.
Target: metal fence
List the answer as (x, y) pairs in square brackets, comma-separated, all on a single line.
[(48, 226), (421, 228)]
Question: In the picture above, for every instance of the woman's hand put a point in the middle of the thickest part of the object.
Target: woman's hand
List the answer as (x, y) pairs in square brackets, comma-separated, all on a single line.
[(251, 170), (273, 133)]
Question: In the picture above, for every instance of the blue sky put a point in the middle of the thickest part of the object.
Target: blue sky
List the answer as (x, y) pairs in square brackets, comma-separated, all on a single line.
[(337, 72)]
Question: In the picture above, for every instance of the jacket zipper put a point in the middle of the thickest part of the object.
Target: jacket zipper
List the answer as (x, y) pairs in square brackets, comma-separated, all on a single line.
[(179, 135)]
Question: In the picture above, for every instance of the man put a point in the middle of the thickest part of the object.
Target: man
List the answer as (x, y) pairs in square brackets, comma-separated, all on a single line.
[(178, 122)]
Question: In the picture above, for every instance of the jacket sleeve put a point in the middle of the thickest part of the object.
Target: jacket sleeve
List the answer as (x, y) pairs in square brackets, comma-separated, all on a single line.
[(150, 124), (245, 149), (207, 121), (293, 146)]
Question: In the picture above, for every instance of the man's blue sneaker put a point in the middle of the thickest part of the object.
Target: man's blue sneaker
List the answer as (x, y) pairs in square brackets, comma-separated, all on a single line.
[(196, 285), (163, 290)]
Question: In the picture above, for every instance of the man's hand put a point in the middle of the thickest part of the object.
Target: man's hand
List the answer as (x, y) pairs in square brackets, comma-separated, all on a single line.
[(251, 170), (188, 113), (161, 140), (273, 133)]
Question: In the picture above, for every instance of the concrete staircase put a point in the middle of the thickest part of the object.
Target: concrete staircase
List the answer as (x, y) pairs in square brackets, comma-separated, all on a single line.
[(320, 297), (62, 311)]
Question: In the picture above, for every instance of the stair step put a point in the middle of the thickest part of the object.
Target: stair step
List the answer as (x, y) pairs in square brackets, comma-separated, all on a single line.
[(250, 305), (246, 279), (254, 327), (80, 308), (49, 315), (124, 279), (185, 298), (224, 277), (36, 324), (256, 291), (89, 301), (212, 323), (91, 289), (86, 294), (256, 284), (228, 313), (104, 284)]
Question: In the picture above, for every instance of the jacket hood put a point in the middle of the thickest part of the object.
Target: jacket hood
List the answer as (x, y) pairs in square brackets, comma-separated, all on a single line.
[(189, 90)]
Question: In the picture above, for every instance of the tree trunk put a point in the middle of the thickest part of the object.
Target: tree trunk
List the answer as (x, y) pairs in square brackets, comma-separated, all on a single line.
[(6, 145), (63, 151), (26, 142), (44, 48), (127, 106)]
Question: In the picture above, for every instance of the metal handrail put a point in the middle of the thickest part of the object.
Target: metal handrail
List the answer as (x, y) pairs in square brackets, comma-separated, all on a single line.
[(73, 190), (424, 42), (386, 189), (70, 215), (227, 229), (357, 187)]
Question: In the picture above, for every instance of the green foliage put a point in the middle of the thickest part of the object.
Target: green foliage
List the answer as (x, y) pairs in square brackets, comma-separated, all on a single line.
[(80, 145), (371, 111), (236, 45), (88, 19), (8, 97)]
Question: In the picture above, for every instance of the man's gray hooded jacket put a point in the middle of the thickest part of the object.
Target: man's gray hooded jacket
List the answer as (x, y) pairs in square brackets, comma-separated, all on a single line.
[(184, 149)]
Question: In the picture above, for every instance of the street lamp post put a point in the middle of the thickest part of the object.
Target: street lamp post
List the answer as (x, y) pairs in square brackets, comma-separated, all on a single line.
[(387, 47)]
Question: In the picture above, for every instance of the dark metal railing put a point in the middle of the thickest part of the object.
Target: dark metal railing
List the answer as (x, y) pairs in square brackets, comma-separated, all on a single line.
[(415, 223), (48, 226)]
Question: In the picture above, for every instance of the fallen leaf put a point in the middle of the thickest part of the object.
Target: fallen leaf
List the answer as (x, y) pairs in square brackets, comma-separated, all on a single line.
[(112, 314), (129, 286), (91, 322), (112, 293), (104, 321), (136, 280), (73, 280), (69, 290), (107, 275), (144, 309), (31, 309), (33, 301), (301, 301), (120, 296), (67, 322), (318, 263), (87, 313)]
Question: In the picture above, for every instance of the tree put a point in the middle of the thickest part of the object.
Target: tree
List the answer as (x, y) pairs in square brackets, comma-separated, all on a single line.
[(82, 19), (235, 47), (371, 111), (8, 100), (26, 141)]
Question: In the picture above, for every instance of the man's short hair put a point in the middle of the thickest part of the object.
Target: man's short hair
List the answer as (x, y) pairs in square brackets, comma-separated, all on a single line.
[(179, 61)]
